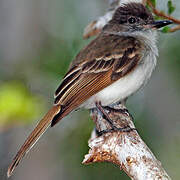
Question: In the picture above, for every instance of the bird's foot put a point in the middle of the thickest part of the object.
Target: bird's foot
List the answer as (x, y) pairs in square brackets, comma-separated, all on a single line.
[(122, 111), (105, 114), (103, 110), (124, 129)]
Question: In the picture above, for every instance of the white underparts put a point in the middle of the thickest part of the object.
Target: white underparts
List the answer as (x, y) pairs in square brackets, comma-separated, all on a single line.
[(128, 85)]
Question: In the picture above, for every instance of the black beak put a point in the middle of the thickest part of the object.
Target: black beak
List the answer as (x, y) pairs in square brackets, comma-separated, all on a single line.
[(161, 23)]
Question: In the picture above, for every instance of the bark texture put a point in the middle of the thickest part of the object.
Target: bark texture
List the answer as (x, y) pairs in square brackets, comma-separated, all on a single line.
[(125, 149)]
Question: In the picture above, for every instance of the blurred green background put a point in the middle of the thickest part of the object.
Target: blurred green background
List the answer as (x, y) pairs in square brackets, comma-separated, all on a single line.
[(38, 40)]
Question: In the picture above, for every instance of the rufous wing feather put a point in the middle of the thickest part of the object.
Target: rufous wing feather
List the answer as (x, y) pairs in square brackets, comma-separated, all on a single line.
[(87, 79), (33, 137), (97, 66), (81, 90)]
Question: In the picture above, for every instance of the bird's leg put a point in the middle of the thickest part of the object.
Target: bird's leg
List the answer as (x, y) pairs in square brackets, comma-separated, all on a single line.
[(122, 111), (105, 115), (109, 120), (124, 129)]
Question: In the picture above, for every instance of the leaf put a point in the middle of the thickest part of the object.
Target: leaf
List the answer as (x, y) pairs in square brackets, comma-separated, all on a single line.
[(153, 2), (171, 7), (165, 29), (157, 17)]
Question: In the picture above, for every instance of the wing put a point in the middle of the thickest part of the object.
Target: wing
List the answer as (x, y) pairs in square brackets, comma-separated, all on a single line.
[(86, 78)]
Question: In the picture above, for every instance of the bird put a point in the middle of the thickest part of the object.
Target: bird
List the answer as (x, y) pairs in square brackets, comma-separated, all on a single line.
[(112, 67)]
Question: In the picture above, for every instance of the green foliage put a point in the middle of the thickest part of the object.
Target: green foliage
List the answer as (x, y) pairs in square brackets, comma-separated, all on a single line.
[(17, 105), (157, 17), (165, 29), (153, 2), (171, 7)]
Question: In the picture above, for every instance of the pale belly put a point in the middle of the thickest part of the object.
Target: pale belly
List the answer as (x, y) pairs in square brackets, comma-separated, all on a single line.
[(125, 86)]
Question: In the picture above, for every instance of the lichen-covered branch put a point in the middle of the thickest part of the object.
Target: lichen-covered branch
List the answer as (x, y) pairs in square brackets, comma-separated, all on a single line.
[(125, 149)]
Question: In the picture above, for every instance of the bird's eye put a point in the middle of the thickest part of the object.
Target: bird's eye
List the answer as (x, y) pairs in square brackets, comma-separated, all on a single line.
[(132, 20)]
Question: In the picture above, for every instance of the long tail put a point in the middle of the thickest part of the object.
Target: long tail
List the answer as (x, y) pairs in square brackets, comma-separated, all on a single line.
[(33, 137)]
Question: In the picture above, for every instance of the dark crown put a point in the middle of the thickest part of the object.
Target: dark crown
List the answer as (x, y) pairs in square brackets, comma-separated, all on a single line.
[(131, 9)]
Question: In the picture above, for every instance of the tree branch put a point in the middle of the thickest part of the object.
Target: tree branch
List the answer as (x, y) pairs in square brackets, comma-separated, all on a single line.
[(125, 149), (162, 14)]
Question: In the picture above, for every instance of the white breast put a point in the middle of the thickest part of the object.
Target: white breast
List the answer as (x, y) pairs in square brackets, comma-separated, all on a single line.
[(129, 84)]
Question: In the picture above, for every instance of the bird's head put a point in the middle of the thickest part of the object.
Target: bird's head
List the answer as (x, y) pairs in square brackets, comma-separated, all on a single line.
[(134, 17)]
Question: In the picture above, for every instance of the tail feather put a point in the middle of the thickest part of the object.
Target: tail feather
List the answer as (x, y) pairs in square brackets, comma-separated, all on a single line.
[(33, 137)]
